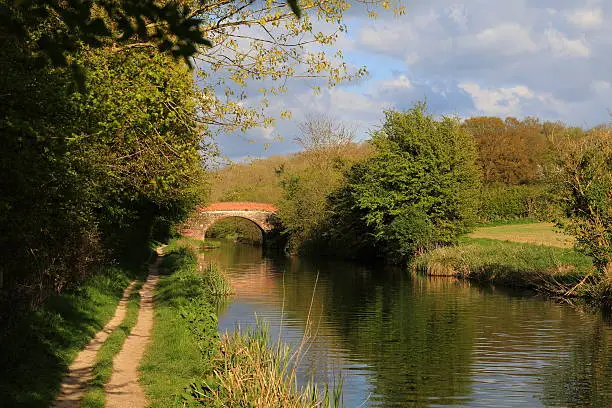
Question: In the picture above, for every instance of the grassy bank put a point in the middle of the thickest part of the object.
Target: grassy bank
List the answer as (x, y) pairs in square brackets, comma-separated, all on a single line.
[(188, 364), (557, 271), (95, 397), (37, 350), (185, 337)]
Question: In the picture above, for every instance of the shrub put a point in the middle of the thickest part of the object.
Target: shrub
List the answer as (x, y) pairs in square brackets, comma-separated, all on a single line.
[(500, 202), (582, 176), (423, 173)]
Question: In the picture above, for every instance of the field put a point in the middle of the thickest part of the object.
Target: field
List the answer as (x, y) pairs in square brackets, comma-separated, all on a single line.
[(537, 233)]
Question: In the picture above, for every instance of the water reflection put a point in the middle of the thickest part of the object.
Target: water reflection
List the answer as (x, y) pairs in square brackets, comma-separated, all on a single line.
[(402, 341)]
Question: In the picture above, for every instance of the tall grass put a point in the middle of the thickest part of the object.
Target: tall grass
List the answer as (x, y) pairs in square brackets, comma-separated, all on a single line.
[(250, 372), (550, 269), (216, 283)]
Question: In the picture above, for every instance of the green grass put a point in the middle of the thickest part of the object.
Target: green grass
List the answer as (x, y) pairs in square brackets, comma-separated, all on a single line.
[(95, 397), (538, 233), (508, 263), (184, 337), (37, 350)]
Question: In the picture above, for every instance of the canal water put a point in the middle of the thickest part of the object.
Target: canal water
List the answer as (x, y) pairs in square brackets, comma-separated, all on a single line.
[(397, 340)]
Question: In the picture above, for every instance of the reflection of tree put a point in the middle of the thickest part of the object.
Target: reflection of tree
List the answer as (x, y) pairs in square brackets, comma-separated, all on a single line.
[(417, 345), (584, 378)]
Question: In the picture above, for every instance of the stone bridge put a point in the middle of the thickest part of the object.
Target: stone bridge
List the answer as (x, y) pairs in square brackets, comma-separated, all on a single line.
[(261, 214)]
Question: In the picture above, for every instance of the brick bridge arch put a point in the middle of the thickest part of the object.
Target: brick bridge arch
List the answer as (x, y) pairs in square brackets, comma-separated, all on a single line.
[(261, 214)]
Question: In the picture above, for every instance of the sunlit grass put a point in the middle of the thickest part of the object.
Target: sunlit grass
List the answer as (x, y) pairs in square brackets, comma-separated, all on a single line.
[(250, 371), (508, 263), (538, 233)]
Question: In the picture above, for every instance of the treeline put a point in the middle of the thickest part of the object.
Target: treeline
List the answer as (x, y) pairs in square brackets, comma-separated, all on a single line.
[(421, 181), (93, 164)]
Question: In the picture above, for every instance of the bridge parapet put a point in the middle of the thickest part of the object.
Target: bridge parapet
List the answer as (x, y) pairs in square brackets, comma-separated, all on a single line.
[(261, 214)]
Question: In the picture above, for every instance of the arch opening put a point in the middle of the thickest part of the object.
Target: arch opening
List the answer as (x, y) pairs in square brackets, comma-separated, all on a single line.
[(235, 228)]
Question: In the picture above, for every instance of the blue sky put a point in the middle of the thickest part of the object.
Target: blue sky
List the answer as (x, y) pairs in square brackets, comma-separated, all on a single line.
[(546, 58)]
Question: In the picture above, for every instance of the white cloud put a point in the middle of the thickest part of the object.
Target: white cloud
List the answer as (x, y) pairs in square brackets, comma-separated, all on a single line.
[(458, 14), (267, 133), (563, 46), (506, 39), (600, 86), (585, 18), (387, 39), (427, 20), (345, 101), (401, 81), (497, 101)]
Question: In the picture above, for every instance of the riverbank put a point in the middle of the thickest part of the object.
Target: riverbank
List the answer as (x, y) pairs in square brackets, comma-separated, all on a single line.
[(189, 363), (37, 349), (555, 271)]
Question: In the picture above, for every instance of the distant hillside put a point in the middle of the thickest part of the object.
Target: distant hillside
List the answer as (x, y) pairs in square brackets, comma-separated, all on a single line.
[(259, 180)]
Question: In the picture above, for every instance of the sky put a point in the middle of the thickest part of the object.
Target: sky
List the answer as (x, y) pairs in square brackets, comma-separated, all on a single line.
[(551, 59)]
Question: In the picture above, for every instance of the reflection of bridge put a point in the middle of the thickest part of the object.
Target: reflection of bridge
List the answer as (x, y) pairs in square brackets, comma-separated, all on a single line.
[(261, 214)]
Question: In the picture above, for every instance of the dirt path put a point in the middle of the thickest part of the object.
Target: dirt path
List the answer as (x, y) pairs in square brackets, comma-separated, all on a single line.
[(123, 389), (75, 382)]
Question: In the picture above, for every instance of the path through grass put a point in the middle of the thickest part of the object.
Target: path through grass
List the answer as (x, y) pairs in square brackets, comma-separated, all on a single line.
[(102, 370)]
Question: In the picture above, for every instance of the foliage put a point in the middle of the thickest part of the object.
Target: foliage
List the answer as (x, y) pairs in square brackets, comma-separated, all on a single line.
[(420, 188), (512, 151), (263, 42), (89, 171), (235, 229), (304, 208), (512, 202), (259, 179), (172, 27), (37, 350), (581, 175)]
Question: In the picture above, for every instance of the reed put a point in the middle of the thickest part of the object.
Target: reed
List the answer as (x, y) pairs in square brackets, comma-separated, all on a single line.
[(252, 371)]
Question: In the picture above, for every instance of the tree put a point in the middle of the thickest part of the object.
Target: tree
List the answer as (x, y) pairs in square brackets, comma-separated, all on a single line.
[(511, 151), (581, 174), (172, 27), (262, 42), (419, 189), (323, 131), (87, 172)]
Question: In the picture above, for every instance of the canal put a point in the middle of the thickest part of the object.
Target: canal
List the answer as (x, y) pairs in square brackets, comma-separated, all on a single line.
[(397, 340)]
